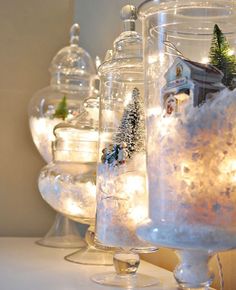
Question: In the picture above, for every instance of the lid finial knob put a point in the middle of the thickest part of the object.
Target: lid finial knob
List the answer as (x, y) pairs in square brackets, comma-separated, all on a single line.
[(74, 34), (128, 14)]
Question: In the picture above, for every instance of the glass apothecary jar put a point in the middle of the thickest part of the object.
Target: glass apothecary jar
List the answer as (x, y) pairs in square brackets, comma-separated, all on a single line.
[(122, 198), (72, 81), (121, 168), (190, 69), (68, 183)]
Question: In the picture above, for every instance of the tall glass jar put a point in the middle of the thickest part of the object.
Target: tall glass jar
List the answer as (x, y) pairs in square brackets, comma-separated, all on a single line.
[(122, 198), (190, 69), (121, 168)]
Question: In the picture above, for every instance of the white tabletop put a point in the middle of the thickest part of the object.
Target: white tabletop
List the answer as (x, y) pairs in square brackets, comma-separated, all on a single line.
[(27, 266)]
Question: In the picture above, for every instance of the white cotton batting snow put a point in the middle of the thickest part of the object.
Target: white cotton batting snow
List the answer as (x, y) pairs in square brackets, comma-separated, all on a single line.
[(71, 197), (192, 174), (42, 134), (122, 202)]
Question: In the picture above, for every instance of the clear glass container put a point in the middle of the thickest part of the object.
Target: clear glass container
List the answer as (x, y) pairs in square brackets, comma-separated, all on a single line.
[(190, 69), (68, 183), (64, 234), (122, 152), (72, 81), (122, 198)]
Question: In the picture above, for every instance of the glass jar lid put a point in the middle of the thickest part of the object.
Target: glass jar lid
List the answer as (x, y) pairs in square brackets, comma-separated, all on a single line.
[(127, 47), (72, 66), (76, 140)]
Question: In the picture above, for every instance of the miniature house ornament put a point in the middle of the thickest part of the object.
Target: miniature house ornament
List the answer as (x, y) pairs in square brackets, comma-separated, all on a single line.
[(191, 131)]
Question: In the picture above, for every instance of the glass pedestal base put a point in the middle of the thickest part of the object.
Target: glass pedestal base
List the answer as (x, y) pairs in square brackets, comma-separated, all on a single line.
[(125, 281), (91, 256), (195, 248), (64, 234), (126, 263), (94, 253), (193, 270)]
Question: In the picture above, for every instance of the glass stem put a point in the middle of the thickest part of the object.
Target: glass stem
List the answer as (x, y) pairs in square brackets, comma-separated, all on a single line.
[(92, 241), (126, 262), (90, 236), (193, 272)]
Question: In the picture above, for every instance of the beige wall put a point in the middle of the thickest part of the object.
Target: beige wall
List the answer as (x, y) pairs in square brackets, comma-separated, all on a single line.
[(32, 32), (100, 23)]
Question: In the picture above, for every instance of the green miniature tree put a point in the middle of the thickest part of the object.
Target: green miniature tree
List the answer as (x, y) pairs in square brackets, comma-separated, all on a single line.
[(222, 58), (61, 110)]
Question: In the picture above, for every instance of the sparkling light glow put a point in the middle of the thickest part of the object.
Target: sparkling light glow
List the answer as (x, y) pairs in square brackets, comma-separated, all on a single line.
[(138, 213), (164, 127), (128, 98), (228, 169), (231, 52), (91, 188), (72, 207), (42, 133), (160, 58), (157, 111), (108, 114), (134, 183), (205, 60)]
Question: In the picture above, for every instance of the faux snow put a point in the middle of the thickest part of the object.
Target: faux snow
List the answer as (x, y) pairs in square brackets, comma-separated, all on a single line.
[(42, 133), (70, 195), (192, 173), (122, 202)]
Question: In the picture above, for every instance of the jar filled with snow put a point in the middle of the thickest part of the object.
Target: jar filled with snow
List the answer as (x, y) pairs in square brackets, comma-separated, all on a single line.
[(68, 183), (121, 180), (122, 198), (190, 69), (72, 81)]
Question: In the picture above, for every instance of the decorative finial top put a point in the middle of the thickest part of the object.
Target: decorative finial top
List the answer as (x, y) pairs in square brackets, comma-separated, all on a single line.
[(74, 34), (128, 12)]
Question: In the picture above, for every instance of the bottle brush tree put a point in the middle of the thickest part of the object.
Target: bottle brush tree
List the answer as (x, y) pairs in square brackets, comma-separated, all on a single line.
[(61, 110), (132, 127), (222, 57)]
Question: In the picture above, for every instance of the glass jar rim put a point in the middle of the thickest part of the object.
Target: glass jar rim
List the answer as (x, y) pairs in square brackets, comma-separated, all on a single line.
[(150, 7)]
